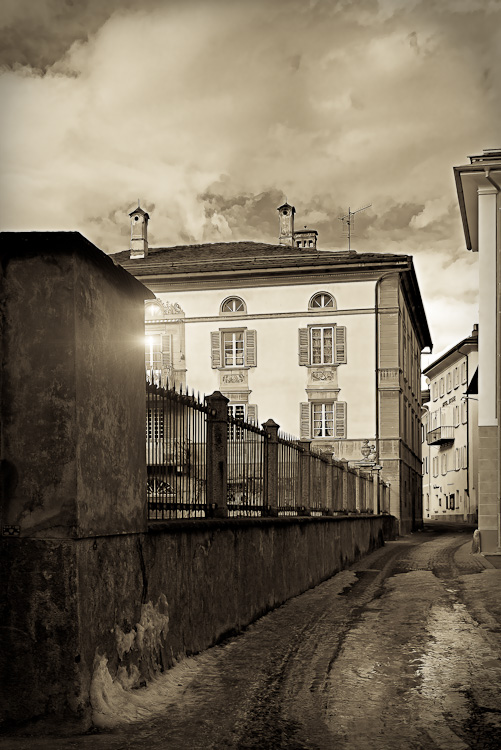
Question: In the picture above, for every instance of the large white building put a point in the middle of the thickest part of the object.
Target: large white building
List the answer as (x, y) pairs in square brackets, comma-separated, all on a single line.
[(479, 187), (325, 343), (450, 435)]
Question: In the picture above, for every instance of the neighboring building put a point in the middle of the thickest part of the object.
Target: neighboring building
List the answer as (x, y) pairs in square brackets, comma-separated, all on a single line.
[(478, 187), (326, 343), (450, 435)]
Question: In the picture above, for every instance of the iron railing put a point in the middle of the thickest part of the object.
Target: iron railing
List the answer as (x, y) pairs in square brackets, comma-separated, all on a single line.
[(176, 439), (245, 460), (202, 461), (289, 486)]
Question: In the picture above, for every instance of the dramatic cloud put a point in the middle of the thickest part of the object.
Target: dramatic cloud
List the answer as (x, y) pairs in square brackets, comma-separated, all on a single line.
[(213, 112)]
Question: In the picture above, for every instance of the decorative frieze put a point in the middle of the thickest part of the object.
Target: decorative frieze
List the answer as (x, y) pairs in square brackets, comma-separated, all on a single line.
[(234, 377), (322, 375)]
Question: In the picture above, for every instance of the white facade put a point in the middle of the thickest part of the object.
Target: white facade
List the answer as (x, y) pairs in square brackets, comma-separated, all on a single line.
[(479, 195), (450, 437)]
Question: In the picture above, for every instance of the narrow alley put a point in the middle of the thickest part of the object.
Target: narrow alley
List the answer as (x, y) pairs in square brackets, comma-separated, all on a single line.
[(403, 650)]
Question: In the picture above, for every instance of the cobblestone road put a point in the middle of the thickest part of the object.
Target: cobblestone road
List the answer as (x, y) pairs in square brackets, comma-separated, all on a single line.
[(402, 651)]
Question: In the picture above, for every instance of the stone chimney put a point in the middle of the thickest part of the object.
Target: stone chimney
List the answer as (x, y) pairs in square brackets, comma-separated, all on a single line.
[(286, 227), (138, 233)]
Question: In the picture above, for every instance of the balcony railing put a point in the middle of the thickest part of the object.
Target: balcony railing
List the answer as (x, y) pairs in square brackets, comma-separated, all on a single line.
[(440, 435)]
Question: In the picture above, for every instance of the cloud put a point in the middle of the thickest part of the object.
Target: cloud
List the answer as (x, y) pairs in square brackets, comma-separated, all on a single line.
[(214, 111)]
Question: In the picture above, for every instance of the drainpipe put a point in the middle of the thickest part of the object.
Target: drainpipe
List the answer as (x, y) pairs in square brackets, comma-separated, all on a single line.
[(467, 431)]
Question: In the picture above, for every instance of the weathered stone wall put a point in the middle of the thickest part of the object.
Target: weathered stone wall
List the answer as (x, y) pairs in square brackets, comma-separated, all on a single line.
[(114, 611)]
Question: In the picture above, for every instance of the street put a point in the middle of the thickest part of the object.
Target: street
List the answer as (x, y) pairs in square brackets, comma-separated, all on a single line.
[(401, 651)]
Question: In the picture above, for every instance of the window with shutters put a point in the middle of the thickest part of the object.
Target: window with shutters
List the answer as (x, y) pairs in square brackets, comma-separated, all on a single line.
[(464, 411), (322, 299), (233, 305), (233, 348), (435, 466), (158, 355), (322, 345), (463, 372), (449, 382), (444, 463), (434, 390), (323, 419), (442, 386), (155, 425), (456, 377), (242, 413)]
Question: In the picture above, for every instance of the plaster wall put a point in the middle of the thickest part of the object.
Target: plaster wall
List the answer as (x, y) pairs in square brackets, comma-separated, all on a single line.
[(278, 382), (72, 379)]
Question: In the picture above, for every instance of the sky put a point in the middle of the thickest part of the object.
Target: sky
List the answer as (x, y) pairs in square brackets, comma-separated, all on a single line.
[(213, 112)]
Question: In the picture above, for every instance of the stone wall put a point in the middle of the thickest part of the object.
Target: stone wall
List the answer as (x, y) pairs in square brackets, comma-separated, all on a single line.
[(113, 612)]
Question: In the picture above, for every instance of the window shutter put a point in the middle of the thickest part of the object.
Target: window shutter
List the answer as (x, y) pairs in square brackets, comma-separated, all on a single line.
[(215, 343), (304, 421), (340, 416), (303, 346), (166, 350), (252, 413), (251, 349), (340, 358)]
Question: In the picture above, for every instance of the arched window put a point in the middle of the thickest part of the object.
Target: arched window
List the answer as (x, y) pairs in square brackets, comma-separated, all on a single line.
[(233, 305), (321, 300)]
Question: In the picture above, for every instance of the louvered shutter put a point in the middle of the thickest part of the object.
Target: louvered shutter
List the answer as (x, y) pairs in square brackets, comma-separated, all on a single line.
[(340, 420), (303, 346), (340, 356), (215, 343), (166, 350), (252, 413), (250, 349), (304, 421)]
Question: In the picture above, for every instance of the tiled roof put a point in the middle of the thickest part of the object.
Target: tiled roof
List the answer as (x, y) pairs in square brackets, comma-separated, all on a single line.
[(236, 256)]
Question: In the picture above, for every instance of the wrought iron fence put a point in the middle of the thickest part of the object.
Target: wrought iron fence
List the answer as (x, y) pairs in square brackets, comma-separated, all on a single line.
[(289, 485), (203, 461), (176, 439), (245, 461)]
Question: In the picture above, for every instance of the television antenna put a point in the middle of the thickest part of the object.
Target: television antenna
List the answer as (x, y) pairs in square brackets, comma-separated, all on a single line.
[(349, 221)]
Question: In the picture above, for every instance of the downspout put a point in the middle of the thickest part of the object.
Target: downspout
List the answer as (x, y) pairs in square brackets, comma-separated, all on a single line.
[(467, 432)]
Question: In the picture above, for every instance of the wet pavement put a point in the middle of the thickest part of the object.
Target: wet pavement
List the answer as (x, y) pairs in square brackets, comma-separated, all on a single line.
[(401, 651)]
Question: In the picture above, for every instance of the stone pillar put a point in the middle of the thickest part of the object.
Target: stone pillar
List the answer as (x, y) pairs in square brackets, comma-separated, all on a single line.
[(376, 489), (270, 472), (73, 463), (358, 493), (328, 484), (344, 476), (217, 454), (304, 474)]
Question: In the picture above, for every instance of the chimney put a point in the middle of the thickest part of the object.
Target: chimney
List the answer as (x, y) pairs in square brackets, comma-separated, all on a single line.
[(286, 226), (138, 233)]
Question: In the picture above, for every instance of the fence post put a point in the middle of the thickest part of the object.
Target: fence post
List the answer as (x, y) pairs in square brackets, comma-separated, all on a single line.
[(304, 475), (344, 483), (270, 469), (328, 485), (376, 480), (217, 455), (358, 490)]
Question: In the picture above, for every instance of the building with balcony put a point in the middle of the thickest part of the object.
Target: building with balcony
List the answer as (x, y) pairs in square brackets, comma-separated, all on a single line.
[(326, 343), (478, 187), (449, 435)]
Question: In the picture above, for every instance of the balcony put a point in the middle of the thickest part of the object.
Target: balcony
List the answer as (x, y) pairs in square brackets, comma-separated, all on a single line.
[(440, 435)]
